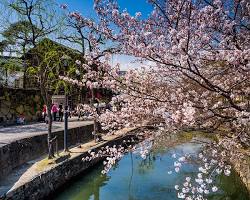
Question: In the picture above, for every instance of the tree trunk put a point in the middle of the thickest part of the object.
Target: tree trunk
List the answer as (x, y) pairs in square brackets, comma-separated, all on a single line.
[(24, 78), (25, 68), (48, 102), (6, 77)]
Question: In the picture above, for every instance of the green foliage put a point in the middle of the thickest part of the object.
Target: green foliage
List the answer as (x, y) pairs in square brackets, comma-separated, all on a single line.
[(32, 70), (9, 67), (54, 60), (72, 70), (3, 45), (62, 85), (20, 30)]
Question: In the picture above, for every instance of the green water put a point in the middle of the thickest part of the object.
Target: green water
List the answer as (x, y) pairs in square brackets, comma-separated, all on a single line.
[(136, 179)]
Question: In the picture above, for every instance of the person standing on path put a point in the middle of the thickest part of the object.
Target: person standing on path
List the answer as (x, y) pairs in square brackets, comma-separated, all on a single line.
[(61, 112)]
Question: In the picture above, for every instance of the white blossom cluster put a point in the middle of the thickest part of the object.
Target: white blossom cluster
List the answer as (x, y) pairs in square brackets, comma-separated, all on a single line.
[(212, 163), (111, 154)]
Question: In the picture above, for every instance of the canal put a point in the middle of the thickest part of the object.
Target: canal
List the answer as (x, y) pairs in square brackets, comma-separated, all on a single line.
[(153, 178)]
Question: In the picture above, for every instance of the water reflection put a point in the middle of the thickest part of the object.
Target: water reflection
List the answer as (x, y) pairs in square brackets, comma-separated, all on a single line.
[(95, 184), (87, 187), (136, 179)]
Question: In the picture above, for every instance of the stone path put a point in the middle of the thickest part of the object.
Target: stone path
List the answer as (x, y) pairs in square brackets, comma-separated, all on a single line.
[(33, 168), (14, 133)]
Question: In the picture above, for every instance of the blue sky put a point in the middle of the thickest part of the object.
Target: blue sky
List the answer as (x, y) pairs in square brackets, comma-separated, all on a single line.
[(86, 6)]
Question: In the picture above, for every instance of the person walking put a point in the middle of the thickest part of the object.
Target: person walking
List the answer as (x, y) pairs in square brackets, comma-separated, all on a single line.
[(44, 114), (80, 111), (54, 111)]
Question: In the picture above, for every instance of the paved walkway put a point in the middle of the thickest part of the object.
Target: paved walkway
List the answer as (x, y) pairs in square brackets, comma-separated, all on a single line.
[(34, 168), (14, 133)]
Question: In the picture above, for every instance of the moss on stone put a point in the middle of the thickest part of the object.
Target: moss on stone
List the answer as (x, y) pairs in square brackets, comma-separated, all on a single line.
[(186, 136), (46, 163), (189, 135), (43, 164)]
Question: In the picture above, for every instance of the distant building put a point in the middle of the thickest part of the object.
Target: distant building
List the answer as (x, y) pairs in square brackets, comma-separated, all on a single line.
[(15, 79), (11, 71), (122, 73), (35, 55)]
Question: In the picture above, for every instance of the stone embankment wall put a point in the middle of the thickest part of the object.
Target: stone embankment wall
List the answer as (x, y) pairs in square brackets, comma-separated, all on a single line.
[(240, 160), (19, 102), (17, 153), (242, 167), (49, 181)]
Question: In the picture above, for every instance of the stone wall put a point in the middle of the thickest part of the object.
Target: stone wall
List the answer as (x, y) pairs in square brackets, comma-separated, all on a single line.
[(19, 102), (240, 160), (17, 153), (242, 167), (49, 181)]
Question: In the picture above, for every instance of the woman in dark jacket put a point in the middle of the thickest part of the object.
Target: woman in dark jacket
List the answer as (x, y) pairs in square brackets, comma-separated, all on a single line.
[(61, 112)]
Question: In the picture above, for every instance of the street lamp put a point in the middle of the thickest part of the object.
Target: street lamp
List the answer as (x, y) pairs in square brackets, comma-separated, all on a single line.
[(66, 123), (95, 123)]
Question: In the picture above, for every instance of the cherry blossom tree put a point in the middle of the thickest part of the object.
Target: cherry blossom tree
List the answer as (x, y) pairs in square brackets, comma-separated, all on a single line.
[(84, 33), (200, 51), (199, 77), (200, 72)]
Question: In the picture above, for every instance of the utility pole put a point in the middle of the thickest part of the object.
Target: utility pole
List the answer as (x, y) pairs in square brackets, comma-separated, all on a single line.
[(66, 107), (92, 104)]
